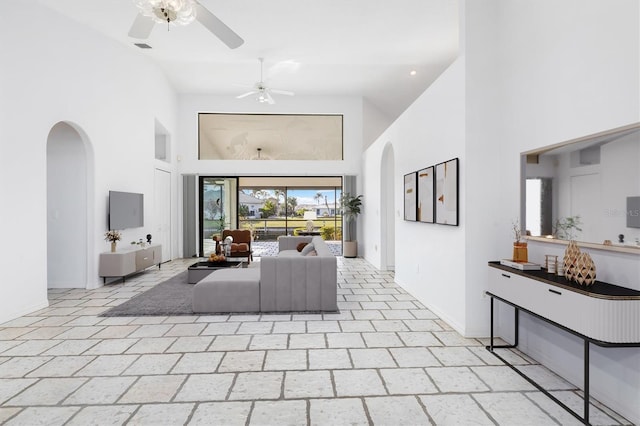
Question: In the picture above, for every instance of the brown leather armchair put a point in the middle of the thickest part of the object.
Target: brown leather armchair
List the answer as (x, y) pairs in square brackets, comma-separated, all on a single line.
[(241, 245)]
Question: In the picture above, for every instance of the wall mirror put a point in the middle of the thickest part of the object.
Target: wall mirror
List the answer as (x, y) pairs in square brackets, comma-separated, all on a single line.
[(587, 189)]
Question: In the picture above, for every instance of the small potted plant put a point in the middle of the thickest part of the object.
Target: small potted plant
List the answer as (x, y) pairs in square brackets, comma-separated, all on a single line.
[(351, 208), (520, 253), (113, 237), (567, 228)]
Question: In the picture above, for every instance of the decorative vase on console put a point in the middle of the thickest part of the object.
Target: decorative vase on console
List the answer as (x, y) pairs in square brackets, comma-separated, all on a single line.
[(520, 252), (584, 270), (113, 237), (569, 261)]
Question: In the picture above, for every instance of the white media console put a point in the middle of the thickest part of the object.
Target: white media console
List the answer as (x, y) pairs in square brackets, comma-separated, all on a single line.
[(121, 263)]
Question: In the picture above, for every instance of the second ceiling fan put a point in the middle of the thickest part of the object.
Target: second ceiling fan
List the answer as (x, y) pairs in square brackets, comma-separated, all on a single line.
[(262, 92)]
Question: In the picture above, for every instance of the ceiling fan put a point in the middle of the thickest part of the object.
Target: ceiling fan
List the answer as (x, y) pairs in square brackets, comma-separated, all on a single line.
[(262, 92), (180, 12)]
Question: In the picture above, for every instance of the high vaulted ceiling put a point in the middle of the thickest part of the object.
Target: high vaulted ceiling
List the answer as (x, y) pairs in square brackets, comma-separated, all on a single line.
[(330, 47)]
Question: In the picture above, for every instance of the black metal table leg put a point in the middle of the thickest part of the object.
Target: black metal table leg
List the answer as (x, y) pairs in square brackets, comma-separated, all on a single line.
[(516, 314), (491, 342), (586, 381), (491, 346)]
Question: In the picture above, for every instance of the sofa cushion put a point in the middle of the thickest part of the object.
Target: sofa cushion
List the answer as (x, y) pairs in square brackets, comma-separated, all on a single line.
[(289, 253), (289, 242), (321, 246), (312, 253), (301, 246), (239, 247), (228, 290), (298, 283), (306, 249)]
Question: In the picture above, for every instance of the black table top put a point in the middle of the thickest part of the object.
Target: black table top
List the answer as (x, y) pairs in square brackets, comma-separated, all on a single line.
[(598, 289), (207, 264)]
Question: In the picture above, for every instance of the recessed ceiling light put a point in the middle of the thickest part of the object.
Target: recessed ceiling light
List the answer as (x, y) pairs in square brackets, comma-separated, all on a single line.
[(413, 72), (142, 45)]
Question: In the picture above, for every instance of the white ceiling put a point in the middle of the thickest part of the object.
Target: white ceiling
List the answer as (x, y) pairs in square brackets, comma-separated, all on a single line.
[(324, 47)]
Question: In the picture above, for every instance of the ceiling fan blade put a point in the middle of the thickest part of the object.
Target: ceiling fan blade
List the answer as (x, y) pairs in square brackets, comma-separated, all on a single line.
[(141, 27), (244, 95), (217, 27), (270, 100), (282, 92)]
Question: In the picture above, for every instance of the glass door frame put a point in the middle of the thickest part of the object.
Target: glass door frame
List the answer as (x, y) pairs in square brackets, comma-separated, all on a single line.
[(229, 210)]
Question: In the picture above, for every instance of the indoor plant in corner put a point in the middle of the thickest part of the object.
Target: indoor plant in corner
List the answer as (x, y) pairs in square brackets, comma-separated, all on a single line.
[(350, 210)]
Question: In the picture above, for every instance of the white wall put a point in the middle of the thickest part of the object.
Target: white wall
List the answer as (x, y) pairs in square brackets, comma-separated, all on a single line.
[(529, 80), (488, 209), (375, 122), (428, 256), (53, 69)]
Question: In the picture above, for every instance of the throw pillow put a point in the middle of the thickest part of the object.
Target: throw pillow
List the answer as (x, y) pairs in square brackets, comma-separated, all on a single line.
[(301, 246), (312, 253), (307, 249), (237, 247)]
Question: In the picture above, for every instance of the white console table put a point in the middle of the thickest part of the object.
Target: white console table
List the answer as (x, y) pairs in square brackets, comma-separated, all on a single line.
[(603, 314), (129, 261)]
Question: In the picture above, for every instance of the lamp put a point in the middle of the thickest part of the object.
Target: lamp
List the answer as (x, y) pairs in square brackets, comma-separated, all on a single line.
[(227, 245), (310, 215), (181, 12)]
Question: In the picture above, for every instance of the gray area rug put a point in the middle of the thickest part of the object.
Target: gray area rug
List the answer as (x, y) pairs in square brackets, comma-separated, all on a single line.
[(174, 297), (171, 297)]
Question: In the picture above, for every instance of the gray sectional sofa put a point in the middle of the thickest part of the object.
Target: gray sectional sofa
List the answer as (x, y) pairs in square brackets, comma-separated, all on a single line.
[(288, 282)]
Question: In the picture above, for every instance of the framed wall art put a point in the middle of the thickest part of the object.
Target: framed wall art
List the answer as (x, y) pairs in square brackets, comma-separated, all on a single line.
[(425, 210), (446, 190), (410, 191)]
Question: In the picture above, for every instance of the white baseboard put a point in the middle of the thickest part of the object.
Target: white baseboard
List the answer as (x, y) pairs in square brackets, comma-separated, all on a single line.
[(8, 316)]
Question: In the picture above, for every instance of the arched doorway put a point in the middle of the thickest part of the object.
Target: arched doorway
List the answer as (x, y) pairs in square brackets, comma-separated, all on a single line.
[(68, 203), (387, 208)]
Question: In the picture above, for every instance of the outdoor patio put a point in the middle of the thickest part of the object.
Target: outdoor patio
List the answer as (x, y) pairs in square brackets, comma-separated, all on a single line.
[(270, 248)]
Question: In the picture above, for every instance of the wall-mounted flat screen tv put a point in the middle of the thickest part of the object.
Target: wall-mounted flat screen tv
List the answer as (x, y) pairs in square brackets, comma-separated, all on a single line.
[(126, 210)]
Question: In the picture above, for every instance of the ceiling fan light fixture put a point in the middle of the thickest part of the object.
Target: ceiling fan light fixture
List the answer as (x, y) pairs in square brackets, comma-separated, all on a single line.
[(262, 97), (180, 12)]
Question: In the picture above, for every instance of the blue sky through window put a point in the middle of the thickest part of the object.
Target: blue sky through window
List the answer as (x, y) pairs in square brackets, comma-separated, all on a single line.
[(306, 196)]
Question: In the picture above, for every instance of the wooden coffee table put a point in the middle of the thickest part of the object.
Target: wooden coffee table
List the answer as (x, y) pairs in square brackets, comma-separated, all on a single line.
[(199, 270)]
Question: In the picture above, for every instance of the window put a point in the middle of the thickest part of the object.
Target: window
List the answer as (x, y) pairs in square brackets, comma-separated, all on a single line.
[(269, 137), (270, 207)]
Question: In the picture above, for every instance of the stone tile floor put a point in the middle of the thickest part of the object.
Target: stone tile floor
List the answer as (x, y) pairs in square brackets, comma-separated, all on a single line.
[(384, 359)]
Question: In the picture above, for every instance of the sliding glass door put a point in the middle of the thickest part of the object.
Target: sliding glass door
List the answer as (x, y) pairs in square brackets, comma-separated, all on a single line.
[(274, 206), (270, 207)]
